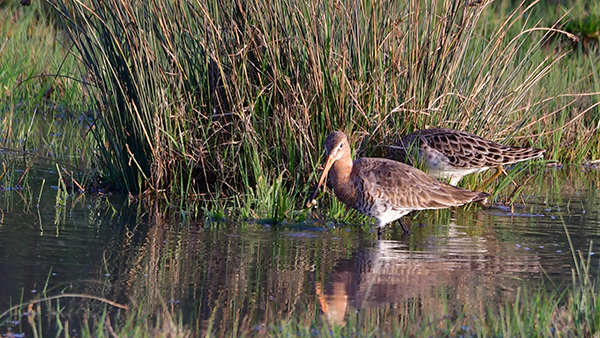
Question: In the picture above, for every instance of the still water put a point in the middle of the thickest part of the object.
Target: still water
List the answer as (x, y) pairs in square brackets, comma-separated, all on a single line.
[(240, 276)]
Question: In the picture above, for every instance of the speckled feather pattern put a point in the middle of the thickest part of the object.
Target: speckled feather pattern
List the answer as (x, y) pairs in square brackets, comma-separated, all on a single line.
[(387, 189), (457, 152)]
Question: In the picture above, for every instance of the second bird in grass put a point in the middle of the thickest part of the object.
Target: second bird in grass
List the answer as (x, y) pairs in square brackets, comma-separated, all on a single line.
[(452, 154), (385, 189)]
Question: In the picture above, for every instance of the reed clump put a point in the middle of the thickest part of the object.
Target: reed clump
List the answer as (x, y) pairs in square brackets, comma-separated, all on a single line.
[(222, 97)]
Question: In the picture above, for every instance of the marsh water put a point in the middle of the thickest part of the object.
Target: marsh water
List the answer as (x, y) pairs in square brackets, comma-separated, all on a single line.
[(238, 276)]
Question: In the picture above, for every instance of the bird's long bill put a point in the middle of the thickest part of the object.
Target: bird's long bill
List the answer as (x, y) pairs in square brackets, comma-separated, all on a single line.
[(328, 165)]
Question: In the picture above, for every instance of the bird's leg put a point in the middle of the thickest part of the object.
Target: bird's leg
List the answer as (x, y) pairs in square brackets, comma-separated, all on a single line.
[(404, 228), (489, 180)]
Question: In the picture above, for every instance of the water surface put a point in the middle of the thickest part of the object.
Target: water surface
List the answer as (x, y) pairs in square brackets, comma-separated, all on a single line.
[(241, 276)]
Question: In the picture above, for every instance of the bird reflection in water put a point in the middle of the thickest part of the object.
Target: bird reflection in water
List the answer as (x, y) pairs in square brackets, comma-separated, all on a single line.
[(388, 274)]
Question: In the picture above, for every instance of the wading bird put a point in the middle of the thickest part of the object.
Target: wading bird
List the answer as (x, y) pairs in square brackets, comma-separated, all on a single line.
[(383, 188), (452, 154)]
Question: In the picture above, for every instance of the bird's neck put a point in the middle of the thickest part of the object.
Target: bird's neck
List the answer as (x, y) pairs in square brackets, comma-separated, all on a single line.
[(341, 180)]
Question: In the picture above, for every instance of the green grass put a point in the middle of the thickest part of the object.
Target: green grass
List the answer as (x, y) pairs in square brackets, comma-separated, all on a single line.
[(230, 102), (44, 116), (225, 96), (30, 59)]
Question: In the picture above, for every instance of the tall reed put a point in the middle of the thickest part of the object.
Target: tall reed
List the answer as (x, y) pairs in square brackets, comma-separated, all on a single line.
[(213, 97)]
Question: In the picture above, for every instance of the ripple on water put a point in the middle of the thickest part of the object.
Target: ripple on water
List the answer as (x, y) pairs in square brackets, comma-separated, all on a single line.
[(452, 259)]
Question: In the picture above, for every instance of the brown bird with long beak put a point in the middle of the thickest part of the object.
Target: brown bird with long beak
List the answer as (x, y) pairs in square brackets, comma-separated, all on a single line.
[(452, 154), (385, 189)]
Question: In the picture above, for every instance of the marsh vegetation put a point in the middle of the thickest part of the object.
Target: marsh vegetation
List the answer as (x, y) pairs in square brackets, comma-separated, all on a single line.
[(231, 101)]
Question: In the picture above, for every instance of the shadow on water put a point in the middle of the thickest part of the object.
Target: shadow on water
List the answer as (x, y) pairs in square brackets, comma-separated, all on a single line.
[(243, 277)]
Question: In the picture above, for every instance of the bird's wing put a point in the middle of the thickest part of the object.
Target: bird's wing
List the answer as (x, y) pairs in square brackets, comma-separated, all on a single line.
[(401, 186), (466, 150)]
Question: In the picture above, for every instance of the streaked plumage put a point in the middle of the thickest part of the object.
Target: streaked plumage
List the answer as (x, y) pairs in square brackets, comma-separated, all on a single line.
[(385, 189), (452, 154)]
